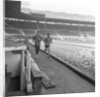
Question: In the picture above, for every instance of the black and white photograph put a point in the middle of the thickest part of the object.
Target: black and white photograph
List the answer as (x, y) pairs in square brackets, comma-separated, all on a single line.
[(49, 47)]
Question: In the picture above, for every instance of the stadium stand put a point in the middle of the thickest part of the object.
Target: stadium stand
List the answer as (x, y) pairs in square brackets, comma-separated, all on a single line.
[(7, 25), (69, 30), (69, 27), (12, 31), (29, 31)]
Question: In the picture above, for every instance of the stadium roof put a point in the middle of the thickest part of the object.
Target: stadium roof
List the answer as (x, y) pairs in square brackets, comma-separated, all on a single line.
[(63, 17), (21, 15), (70, 21), (41, 17)]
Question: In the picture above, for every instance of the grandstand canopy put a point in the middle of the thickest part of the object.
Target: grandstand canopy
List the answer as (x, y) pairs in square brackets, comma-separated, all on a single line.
[(70, 21), (25, 16)]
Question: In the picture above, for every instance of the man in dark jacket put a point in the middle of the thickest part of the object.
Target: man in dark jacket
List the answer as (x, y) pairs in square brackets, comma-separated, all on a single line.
[(37, 41)]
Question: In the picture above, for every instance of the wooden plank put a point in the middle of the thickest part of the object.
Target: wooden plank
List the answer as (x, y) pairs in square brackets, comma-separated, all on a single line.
[(47, 83), (37, 74), (15, 48)]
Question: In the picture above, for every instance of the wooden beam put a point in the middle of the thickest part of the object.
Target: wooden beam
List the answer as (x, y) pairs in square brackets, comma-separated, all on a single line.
[(15, 48)]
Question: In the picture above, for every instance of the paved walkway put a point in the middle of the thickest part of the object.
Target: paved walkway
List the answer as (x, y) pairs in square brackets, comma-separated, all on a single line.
[(66, 81)]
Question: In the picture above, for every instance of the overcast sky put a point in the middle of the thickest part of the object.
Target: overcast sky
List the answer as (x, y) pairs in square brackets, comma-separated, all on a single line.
[(86, 7)]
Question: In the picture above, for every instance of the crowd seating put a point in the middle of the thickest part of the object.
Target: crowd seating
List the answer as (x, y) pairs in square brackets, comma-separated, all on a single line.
[(69, 30), (7, 25), (23, 25), (28, 31), (12, 31)]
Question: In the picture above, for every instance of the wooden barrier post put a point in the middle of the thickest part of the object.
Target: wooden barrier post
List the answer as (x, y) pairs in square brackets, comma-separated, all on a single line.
[(29, 83), (22, 86)]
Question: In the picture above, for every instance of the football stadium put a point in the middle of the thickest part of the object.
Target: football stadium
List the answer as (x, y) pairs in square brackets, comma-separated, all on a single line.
[(70, 67)]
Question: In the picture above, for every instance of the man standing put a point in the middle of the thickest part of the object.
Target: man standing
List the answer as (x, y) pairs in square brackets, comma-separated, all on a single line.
[(37, 39), (47, 41)]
